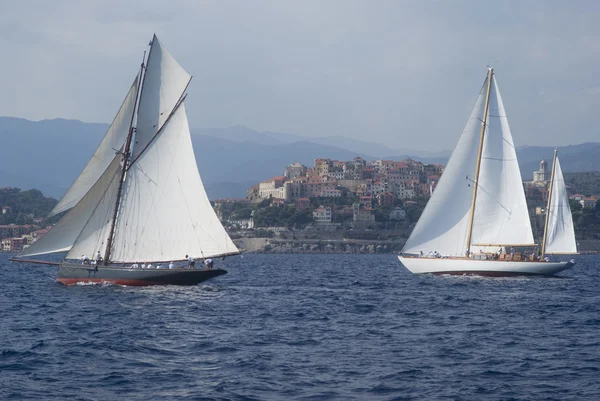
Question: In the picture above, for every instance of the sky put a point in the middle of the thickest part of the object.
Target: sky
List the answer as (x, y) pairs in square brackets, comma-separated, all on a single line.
[(401, 73)]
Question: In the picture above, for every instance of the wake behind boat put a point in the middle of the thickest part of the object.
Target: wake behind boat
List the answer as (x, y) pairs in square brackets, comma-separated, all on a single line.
[(477, 221), (140, 199)]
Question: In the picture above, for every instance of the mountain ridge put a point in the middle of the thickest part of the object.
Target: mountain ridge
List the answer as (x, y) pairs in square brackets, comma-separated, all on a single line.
[(49, 154)]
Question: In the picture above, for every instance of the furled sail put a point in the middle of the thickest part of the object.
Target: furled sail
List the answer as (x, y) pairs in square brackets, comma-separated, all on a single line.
[(560, 236), (88, 210), (113, 140), (164, 84), (443, 224), (165, 213), (501, 214)]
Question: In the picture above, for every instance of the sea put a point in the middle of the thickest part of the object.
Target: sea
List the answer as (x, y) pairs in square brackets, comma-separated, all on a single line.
[(303, 327)]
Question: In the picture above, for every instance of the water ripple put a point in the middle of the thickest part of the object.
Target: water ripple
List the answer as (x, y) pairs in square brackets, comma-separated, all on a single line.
[(303, 327)]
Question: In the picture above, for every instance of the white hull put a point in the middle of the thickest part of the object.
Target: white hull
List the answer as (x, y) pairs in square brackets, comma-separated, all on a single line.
[(478, 267)]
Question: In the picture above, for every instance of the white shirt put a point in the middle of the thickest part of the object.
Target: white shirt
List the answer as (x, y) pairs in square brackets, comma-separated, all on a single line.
[(150, 266), (143, 265), (171, 265)]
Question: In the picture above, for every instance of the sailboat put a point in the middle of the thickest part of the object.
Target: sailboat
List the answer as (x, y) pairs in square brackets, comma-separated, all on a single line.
[(140, 200), (477, 221)]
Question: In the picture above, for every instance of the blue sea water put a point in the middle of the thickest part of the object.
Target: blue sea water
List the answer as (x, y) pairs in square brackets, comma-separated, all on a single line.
[(303, 327)]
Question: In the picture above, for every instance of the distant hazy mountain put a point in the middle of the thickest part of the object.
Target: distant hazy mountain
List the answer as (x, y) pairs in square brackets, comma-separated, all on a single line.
[(49, 154)]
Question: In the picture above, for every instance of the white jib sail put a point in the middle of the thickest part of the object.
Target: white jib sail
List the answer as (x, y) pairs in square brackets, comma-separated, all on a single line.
[(165, 213), (501, 214), (164, 83), (443, 225), (67, 231), (114, 139), (560, 235)]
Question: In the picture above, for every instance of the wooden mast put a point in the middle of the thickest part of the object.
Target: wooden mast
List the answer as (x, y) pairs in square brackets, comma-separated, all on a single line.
[(548, 203), (126, 155), (478, 165)]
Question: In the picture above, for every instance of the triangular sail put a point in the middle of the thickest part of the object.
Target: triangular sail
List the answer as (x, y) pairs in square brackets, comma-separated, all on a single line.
[(443, 224), (164, 83), (560, 237), (113, 140), (501, 214), (65, 233), (165, 213)]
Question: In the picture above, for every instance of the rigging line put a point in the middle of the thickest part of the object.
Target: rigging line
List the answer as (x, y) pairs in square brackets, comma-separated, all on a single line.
[(484, 190), (179, 103), (95, 208)]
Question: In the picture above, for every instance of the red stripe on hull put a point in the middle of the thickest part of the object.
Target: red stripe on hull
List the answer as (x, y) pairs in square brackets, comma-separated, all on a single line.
[(72, 281)]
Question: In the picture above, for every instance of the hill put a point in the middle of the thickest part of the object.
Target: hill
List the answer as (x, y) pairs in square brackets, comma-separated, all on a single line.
[(49, 154)]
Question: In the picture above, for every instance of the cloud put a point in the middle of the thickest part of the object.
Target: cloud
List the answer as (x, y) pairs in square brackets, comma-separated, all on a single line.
[(405, 73)]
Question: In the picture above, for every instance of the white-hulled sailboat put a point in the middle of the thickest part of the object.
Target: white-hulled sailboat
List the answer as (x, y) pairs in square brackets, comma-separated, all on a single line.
[(140, 200), (478, 210)]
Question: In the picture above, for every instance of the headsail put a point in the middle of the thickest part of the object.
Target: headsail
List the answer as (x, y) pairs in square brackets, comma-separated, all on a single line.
[(501, 214), (443, 225), (165, 213), (560, 233), (69, 229), (165, 82), (113, 140)]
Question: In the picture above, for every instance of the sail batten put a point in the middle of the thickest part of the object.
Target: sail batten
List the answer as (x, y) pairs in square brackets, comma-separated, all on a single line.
[(560, 236), (113, 141)]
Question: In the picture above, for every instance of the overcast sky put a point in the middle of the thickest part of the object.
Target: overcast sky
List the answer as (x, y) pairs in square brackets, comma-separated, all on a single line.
[(401, 73)]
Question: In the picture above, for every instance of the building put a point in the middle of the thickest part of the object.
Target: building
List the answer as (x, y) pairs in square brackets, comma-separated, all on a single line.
[(302, 204), (322, 215), (589, 202), (272, 188), (397, 213), (386, 199), (362, 215), (542, 176), (13, 244), (295, 170)]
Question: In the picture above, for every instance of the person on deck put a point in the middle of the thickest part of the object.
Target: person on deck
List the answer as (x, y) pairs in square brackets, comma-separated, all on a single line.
[(208, 263), (98, 258), (191, 262), (171, 265)]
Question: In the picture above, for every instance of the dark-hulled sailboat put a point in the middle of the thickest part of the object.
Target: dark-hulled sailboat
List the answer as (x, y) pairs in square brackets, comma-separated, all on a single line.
[(140, 199)]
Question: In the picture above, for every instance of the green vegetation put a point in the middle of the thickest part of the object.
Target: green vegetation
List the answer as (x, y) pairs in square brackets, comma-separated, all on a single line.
[(584, 183), (282, 216), (25, 205)]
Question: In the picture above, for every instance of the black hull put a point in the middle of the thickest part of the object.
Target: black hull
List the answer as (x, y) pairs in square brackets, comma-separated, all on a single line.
[(76, 273)]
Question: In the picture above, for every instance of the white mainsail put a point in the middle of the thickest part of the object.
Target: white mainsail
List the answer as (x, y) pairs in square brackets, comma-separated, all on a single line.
[(165, 213), (443, 224), (113, 141), (164, 84), (501, 213), (560, 233), (70, 228)]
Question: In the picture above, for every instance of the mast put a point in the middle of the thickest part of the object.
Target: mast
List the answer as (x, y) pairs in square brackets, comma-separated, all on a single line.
[(126, 153), (479, 152), (548, 203)]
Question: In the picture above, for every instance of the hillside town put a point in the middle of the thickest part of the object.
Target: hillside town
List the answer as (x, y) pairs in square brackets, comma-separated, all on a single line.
[(331, 195), (360, 186)]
